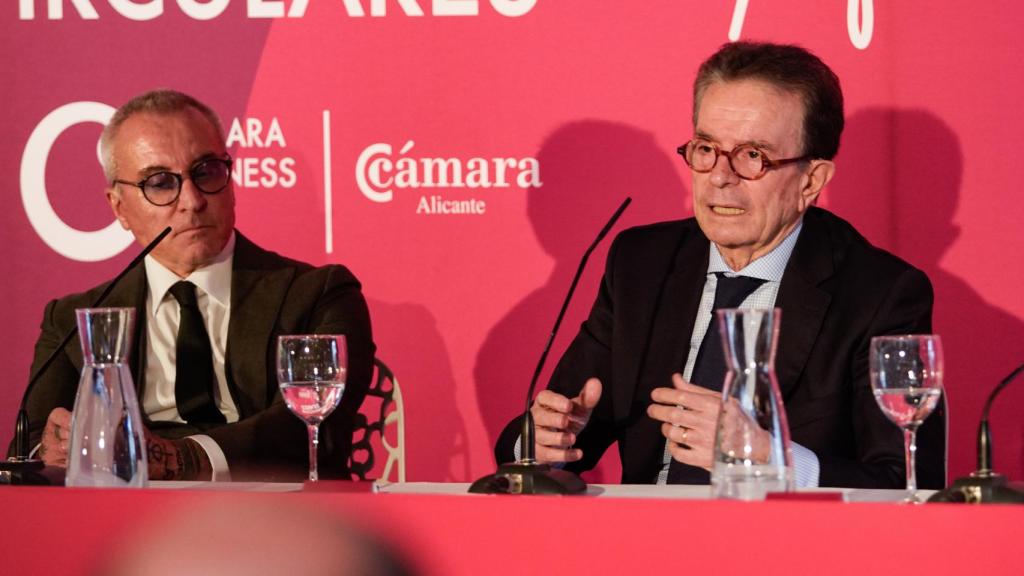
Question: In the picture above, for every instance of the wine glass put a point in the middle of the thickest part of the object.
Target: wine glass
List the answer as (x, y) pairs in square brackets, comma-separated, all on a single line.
[(311, 372), (906, 378)]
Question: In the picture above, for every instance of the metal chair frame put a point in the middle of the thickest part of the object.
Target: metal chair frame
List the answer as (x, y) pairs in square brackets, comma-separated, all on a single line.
[(391, 413)]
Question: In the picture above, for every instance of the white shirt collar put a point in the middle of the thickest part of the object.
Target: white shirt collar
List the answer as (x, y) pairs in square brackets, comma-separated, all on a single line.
[(769, 267), (214, 279)]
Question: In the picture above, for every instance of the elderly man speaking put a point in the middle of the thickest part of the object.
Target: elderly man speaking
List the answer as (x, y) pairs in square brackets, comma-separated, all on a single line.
[(767, 120)]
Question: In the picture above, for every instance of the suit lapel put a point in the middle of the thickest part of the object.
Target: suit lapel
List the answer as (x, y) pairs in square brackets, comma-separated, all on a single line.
[(802, 301), (257, 295), (675, 315), (138, 294), (671, 310)]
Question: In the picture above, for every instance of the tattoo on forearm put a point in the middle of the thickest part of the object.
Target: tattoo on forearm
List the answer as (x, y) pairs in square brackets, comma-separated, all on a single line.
[(173, 459), (160, 467)]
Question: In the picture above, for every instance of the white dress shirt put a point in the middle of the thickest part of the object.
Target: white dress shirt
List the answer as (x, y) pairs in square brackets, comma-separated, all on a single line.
[(770, 268), (213, 295)]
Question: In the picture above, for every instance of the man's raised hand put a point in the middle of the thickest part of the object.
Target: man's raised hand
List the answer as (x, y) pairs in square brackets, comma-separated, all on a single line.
[(559, 420)]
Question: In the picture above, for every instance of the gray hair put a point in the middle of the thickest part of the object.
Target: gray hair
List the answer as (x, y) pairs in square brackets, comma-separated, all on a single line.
[(160, 101)]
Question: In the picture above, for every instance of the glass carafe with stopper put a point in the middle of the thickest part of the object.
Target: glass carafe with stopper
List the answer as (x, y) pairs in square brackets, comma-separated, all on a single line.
[(752, 448), (107, 444)]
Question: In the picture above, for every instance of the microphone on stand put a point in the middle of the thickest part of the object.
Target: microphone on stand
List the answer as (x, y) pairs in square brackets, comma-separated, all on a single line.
[(526, 475), (984, 486), (19, 468)]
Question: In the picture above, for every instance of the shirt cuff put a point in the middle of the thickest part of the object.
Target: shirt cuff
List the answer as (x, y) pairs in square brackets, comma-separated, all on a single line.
[(218, 461), (806, 466)]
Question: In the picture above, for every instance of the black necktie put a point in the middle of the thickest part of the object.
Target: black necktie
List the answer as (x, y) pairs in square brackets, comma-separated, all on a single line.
[(709, 368), (194, 380)]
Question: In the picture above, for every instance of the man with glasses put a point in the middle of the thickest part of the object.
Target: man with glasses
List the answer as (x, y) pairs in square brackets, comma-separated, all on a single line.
[(767, 123), (209, 306)]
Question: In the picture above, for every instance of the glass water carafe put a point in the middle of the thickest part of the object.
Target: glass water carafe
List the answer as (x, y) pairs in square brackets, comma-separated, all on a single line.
[(752, 449), (107, 443)]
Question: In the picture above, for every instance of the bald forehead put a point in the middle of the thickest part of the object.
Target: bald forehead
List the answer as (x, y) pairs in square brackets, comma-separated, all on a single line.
[(149, 141), (195, 119)]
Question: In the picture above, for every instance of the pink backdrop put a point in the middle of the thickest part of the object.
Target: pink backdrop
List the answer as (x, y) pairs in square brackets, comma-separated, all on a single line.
[(554, 110)]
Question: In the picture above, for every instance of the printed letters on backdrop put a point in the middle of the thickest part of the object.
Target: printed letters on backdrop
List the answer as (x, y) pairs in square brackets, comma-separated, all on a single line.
[(258, 9)]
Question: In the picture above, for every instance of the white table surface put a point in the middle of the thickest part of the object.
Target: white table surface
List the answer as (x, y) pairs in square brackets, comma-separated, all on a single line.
[(598, 490)]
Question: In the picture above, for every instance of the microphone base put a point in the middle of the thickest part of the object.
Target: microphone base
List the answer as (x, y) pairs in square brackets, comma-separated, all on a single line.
[(981, 487), (25, 472), (529, 478)]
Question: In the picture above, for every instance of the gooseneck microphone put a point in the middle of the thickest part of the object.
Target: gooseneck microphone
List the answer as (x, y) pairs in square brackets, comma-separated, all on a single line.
[(21, 468), (984, 486), (526, 475)]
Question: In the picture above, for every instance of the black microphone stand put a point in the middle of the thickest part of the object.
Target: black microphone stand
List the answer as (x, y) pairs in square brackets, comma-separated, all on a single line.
[(984, 486), (19, 468), (526, 475)]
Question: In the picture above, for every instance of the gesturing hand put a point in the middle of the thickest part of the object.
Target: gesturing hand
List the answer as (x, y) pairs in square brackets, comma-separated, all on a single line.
[(689, 416), (559, 420)]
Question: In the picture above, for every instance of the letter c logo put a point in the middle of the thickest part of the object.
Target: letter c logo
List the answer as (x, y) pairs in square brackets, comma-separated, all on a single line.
[(63, 239)]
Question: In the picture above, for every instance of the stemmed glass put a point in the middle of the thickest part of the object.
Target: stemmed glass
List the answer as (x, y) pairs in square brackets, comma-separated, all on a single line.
[(311, 372), (906, 378)]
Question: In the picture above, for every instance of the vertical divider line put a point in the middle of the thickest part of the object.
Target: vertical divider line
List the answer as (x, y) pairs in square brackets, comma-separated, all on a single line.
[(328, 200), (739, 14)]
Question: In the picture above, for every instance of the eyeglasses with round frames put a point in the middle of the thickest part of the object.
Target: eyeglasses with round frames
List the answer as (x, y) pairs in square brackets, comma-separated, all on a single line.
[(746, 160), (209, 176)]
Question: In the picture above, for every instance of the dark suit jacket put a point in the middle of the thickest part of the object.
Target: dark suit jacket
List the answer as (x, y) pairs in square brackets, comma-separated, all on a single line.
[(270, 295), (837, 292)]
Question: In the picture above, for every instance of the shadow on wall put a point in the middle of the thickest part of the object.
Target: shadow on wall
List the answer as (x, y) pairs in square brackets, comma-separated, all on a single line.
[(898, 181), (409, 342), (589, 166)]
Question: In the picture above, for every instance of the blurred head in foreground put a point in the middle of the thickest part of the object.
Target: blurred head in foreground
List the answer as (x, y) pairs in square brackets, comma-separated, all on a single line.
[(250, 537)]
